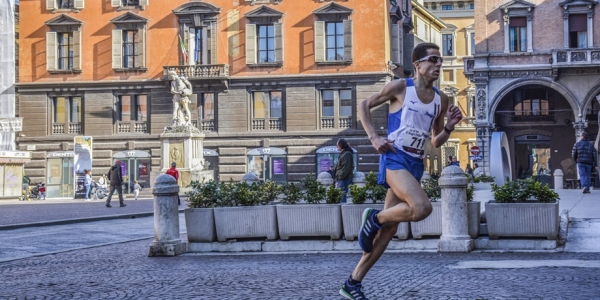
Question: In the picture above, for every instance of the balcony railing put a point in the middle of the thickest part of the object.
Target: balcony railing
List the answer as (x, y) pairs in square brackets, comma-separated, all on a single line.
[(206, 125), (66, 128), (274, 124), (329, 122), (576, 57), (198, 71), (126, 127)]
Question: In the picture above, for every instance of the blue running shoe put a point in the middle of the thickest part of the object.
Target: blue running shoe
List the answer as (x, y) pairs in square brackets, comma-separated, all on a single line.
[(368, 230), (352, 292)]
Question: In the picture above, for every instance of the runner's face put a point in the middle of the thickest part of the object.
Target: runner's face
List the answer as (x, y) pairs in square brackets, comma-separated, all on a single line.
[(429, 69)]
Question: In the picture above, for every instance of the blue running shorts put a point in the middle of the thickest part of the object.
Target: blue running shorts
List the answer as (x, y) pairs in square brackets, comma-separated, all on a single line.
[(399, 161)]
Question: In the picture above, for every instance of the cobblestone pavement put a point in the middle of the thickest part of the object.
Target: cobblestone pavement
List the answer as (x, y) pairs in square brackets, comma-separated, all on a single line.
[(123, 271)]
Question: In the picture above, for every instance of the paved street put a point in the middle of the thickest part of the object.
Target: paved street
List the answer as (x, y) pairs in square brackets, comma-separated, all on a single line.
[(123, 271)]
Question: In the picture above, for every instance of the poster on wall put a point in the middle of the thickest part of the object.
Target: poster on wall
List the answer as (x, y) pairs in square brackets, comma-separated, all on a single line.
[(324, 164), (278, 167), (82, 161)]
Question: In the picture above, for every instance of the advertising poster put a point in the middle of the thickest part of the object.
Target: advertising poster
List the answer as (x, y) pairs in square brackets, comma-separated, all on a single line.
[(278, 168), (324, 164), (82, 161)]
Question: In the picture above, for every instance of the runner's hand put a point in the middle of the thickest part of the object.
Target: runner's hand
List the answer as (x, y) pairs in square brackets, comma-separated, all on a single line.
[(383, 145), (453, 115)]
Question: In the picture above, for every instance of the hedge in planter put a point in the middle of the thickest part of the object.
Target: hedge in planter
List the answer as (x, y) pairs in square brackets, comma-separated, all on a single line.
[(199, 217), (243, 211), (483, 182), (523, 208), (314, 218)]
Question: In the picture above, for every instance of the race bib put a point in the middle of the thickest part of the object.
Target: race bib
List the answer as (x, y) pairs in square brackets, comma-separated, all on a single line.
[(414, 140)]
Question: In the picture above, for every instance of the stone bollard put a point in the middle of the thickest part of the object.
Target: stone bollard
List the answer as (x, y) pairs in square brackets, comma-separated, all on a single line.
[(558, 179), (359, 179), (250, 178), (425, 176), (167, 240), (325, 179), (455, 227)]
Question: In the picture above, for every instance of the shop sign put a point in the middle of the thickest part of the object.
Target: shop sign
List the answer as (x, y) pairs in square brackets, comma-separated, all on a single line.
[(11, 124)]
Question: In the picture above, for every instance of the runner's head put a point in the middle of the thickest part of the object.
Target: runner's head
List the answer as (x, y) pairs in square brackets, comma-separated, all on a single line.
[(427, 60)]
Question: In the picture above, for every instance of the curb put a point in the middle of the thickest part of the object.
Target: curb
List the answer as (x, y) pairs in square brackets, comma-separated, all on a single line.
[(79, 220)]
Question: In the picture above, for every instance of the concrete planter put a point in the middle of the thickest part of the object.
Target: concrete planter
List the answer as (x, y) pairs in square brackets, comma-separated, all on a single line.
[(200, 225), (309, 220), (246, 222), (482, 186), (432, 225), (522, 220), (352, 220)]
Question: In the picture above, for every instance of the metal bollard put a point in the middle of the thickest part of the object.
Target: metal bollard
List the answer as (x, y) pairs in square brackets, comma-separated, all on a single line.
[(167, 241), (455, 226), (558, 179)]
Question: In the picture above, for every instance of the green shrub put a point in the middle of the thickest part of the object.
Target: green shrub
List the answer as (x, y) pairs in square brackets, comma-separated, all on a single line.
[(432, 189), (268, 192), (543, 193), (292, 194), (203, 195), (226, 191), (334, 195), (483, 178), (314, 192), (523, 190), (245, 194), (359, 194), (375, 191), (470, 190)]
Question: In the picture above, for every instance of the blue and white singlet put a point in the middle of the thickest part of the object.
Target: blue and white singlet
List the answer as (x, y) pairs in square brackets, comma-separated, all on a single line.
[(410, 127)]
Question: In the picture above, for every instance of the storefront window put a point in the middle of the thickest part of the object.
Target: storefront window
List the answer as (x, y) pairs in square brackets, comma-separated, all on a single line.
[(328, 156)]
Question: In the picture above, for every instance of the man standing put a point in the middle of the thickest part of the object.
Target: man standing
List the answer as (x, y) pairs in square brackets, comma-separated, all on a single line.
[(344, 169), (586, 158), (417, 112), (173, 172), (116, 183)]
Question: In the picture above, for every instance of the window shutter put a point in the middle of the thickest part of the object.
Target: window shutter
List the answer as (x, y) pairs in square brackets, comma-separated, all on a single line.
[(142, 47), (319, 41), (50, 4), (117, 49), (517, 22), (395, 32), (144, 2), (78, 4), (115, 3), (578, 23), (50, 51), (213, 42), (348, 40), (76, 50), (186, 39), (278, 30), (191, 45), (250, 44)]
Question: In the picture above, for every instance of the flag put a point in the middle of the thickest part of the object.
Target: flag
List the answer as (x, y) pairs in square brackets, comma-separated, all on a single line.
[(185, 56)]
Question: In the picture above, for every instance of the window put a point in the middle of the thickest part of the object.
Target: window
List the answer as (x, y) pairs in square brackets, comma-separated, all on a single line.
[(63, 45), (129, 43), (128, 3), (447, 42), (65, 50), (266, 44), (131, 49), (334, 39), (448, 75), (333, 34), (472, 43), (518, 34), (64, 4), (267, 110), (264, 37), (199, 45), (471, 5), (132, 114), (532, 104), (336, 108), (66, 115), (203, 111), (447, 7), (578, 31)]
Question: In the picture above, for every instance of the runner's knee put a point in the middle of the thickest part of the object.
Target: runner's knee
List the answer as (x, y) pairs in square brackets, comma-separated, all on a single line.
[(422, 211)]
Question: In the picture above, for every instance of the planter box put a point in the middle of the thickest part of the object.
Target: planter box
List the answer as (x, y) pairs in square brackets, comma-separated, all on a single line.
[(522, 220), (432, 225), (352, 220), (200, 225), (309, 220), (246, 222), (482, 186)]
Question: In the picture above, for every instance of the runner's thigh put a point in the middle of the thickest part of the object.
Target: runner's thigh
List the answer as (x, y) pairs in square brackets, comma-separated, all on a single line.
[(406, 187)]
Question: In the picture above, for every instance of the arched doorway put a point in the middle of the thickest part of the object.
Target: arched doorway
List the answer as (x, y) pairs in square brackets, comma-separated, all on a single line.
[(135, 165), (268, 164)]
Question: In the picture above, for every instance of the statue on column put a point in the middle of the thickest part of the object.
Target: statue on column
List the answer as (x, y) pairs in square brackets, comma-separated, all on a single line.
[(181, 89)]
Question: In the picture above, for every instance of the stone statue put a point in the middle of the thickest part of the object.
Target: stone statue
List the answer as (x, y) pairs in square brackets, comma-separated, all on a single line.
[(181, 89)]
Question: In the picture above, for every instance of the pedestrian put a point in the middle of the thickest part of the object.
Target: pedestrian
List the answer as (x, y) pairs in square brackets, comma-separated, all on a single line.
[(344, 169), (586, 158), (469, 172), (136, 189), (173, 172), (449, 162), (417, 111), (332, 173), (477, 171), (42, 191), (87, 182), (116, 183), (455, 162)]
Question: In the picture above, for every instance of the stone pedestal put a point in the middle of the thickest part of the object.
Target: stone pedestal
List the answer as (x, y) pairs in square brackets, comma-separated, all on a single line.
[(167, 241), (185, 149), (455, 223)]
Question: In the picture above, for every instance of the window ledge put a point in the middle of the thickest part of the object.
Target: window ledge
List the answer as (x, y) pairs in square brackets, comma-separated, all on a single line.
[(134, 7), (64, 71), (265, 65), (121, 70), (65, 10), (334, 62)]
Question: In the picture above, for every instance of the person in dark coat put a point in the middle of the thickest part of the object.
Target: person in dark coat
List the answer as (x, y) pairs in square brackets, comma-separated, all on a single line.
[(586, 158), (116, 183), (344, 169)]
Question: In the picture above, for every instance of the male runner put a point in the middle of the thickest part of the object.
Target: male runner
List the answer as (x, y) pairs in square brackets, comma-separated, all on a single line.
[(417, 111)]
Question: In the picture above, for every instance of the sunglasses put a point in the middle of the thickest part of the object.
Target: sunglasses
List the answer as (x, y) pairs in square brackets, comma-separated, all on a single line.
[(432, 58)]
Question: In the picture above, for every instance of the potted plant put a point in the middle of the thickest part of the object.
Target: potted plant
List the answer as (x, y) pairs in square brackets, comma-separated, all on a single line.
[(523, 208), (312, 218), (483, 182), (352, 212), (432, 225), (243, 211), (199, 217)]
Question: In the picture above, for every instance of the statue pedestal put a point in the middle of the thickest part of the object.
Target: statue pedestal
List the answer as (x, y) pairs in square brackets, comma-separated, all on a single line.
[(186, 150)]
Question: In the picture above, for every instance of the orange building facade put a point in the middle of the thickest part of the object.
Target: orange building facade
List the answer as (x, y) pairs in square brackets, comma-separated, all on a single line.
[(276, 82)]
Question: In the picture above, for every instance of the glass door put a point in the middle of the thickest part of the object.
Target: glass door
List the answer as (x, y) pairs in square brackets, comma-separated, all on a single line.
[(68, 178), (143, 172)]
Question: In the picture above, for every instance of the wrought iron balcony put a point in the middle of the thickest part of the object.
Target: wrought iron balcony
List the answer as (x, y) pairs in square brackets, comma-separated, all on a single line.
[(199, 71), (576, 57)]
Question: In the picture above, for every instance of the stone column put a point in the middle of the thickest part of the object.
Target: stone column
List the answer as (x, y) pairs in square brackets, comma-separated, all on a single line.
[(455, 226), (167, 241), (558, 179)]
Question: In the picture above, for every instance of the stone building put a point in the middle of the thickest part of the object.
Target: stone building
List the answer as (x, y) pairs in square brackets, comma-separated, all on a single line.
[(536, 70), (276, 82)]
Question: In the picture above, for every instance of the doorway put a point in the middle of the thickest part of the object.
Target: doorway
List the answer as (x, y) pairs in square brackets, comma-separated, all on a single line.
[(59, 175), (532, 158), (135, 165), (268, 164)]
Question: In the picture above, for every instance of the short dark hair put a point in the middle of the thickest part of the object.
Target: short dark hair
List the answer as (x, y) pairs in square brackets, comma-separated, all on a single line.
[(420, 50)]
